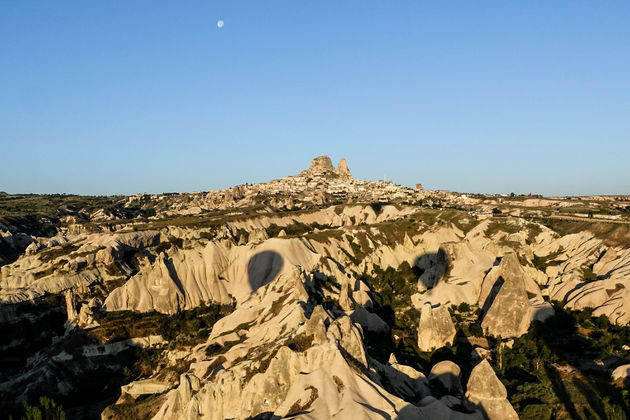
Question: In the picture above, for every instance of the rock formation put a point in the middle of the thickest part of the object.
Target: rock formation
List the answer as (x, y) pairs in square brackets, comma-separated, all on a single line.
[(447, 376), (342, 169), (436, 328), (369, 320), (71, 310), (621, 373), (504, 300), (322, 166), (487, 392)]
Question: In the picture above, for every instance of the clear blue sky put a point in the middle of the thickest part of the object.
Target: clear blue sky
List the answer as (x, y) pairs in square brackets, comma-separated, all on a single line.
[(129, 96)]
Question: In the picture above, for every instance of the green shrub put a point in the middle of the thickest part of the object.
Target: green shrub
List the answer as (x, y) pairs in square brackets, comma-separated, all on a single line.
[(300, 342), (47, 409), (464, 307), (476, 330), (588, 274)]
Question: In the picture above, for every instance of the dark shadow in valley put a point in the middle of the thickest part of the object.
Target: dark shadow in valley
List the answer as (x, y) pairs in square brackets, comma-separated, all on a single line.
[(267, 415), (391, 290), (590, 394), (560, 389), (564, 353), (37, 331), (263, 268)]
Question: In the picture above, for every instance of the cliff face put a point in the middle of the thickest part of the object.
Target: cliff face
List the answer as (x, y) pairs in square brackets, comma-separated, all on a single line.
[(342, 169), (322, 166)]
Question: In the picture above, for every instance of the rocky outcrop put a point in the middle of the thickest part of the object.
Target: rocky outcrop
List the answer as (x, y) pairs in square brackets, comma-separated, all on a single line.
[(486, 392), (436, 328), (287, 361), (290, 358), (86, 318), (71, 309), (215, 272), (369, 320), (144, 387), (342, 169), (406, 380), (608, 293), (504, 300), (446, 375), (320, 166), (621, 373)]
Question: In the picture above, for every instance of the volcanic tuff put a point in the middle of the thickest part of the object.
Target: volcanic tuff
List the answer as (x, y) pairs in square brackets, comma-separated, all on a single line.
[(342, 169), (436, 328), (334, 311)]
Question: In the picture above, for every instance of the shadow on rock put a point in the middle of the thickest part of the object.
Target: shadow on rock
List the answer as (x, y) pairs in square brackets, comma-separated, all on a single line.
[(431, 268), (263, 268)]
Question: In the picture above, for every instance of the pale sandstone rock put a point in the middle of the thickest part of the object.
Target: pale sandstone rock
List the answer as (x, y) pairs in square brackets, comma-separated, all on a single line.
[(404, 379), (436, 328), (369, 320), (621, 372), (342, 169), (71, 310), (507, 309), (320, 165), (479, 353), (448, 375), (144, 387), (487, 392)]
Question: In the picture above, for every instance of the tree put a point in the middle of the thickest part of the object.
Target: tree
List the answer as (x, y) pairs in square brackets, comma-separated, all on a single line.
[(46, 410)]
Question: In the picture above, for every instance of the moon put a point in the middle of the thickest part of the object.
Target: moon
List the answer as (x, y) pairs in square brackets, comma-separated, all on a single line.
[(219, 24)]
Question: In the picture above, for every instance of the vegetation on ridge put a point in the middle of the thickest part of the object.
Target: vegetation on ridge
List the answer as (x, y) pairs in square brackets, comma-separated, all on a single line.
[(547, 374)]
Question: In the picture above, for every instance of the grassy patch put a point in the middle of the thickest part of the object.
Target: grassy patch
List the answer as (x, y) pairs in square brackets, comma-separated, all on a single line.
[(500, 226), (49, 254), (461, 219), (300, 343), (541, 263), (533, 230), (295, 229), (325, 236), (166, 245), (391, 291), (183, 328), (299, 407), (612, 234), (216, 349), (16, 205)]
